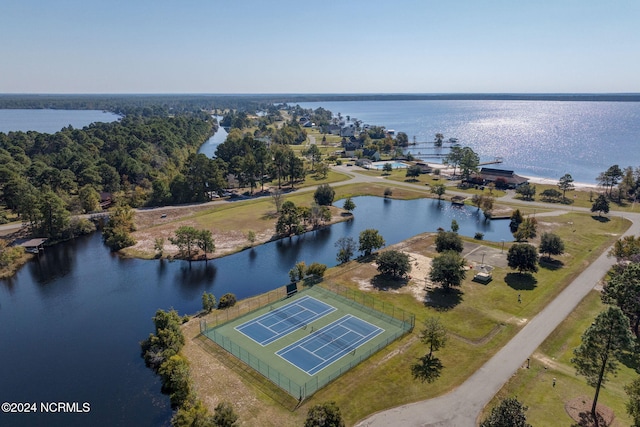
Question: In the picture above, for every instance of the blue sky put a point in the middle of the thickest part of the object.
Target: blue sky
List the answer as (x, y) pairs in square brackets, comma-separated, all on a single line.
[(246, 46)]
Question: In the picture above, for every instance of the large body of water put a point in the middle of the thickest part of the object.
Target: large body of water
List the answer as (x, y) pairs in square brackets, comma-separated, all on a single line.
[(51, 121), (535, 138)]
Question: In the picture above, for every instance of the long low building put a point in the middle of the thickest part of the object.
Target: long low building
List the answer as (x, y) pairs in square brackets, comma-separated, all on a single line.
[(500, 177)]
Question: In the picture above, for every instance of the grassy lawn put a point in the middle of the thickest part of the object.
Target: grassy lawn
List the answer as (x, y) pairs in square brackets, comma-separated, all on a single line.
[(480, 318), (534, 386)]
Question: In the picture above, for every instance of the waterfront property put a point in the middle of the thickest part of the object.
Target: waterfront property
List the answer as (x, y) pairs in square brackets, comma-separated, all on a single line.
[(500, 177), (303, 342)]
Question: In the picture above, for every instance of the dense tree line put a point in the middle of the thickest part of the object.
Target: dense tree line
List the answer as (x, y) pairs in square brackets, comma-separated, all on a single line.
[(140, 160)]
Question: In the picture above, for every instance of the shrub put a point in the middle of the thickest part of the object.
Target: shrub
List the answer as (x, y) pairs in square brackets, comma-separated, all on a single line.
[(227, 300), (316, 269), (478, 235)]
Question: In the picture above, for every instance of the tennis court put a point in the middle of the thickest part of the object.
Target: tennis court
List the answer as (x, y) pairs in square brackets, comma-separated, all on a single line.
[(302, 342), (284, 320), (324, 346)]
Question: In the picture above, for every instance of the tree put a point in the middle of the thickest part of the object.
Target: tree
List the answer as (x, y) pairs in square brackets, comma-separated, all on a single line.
[(625, 248), (186, 239), (387, 168), (551, 194), (370, 240), (192, 414), (224, 416), (394, 263), (346, 248), (324, 195), (468, 163), (600, 205), (349, 205), (622, 289), (205, 242), (633, 404), (324, 415), (509, 413), (413, 171), (158, 246), (603, 343), (448, 241), (176, 379), (54, 216), (433, 334), (277, 199), (313, 153), (454, 157), (448, 269), (566, 184), (116, 232), (551, 244), (89, 199), (402, 140), (289, 220), (527, 229), (526, 191), (454, 226), (516, 220), (227, 300), (439, 190), (523, 257), (208, 301)]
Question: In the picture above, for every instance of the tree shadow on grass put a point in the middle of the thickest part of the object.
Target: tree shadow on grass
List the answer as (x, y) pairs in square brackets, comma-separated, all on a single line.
[(385, 281), (551, 264), (443, 299), (600, 218), (521, 281), (630, 360)]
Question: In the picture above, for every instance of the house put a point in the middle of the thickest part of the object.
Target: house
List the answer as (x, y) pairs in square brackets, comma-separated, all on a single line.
[(348, 130), (350, 149), (424, 167), (371, 154), (500, 177)]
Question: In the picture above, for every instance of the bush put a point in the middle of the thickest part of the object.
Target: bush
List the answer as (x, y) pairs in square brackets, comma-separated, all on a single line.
[(478, 235), (227, 300), (316, 269), (324, 195)]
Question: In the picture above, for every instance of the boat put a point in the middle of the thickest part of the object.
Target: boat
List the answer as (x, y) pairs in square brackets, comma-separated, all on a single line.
[(453, 140)]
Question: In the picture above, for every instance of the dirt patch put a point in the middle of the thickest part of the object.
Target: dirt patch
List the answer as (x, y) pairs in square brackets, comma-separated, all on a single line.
[(418, 281), (579, 409)]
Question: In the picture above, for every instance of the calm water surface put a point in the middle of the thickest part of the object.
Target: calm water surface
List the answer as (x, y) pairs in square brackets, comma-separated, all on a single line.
[(50, 121), (534, 138), (72, 319)]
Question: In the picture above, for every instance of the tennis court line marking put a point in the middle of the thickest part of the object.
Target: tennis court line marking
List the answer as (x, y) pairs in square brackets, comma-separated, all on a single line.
[(294, 324), (340, 352)]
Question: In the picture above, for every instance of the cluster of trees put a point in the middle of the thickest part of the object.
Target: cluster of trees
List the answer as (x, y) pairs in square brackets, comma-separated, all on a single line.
[(464, 158), (294, 219), (188, 239), (620, 184), (46, 177), (161, 352), (302, 270), (369, 240), (447, 268)]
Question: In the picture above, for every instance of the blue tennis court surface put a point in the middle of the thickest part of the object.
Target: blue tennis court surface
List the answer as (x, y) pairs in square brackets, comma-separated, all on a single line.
[(324, 346), (284, 320)]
